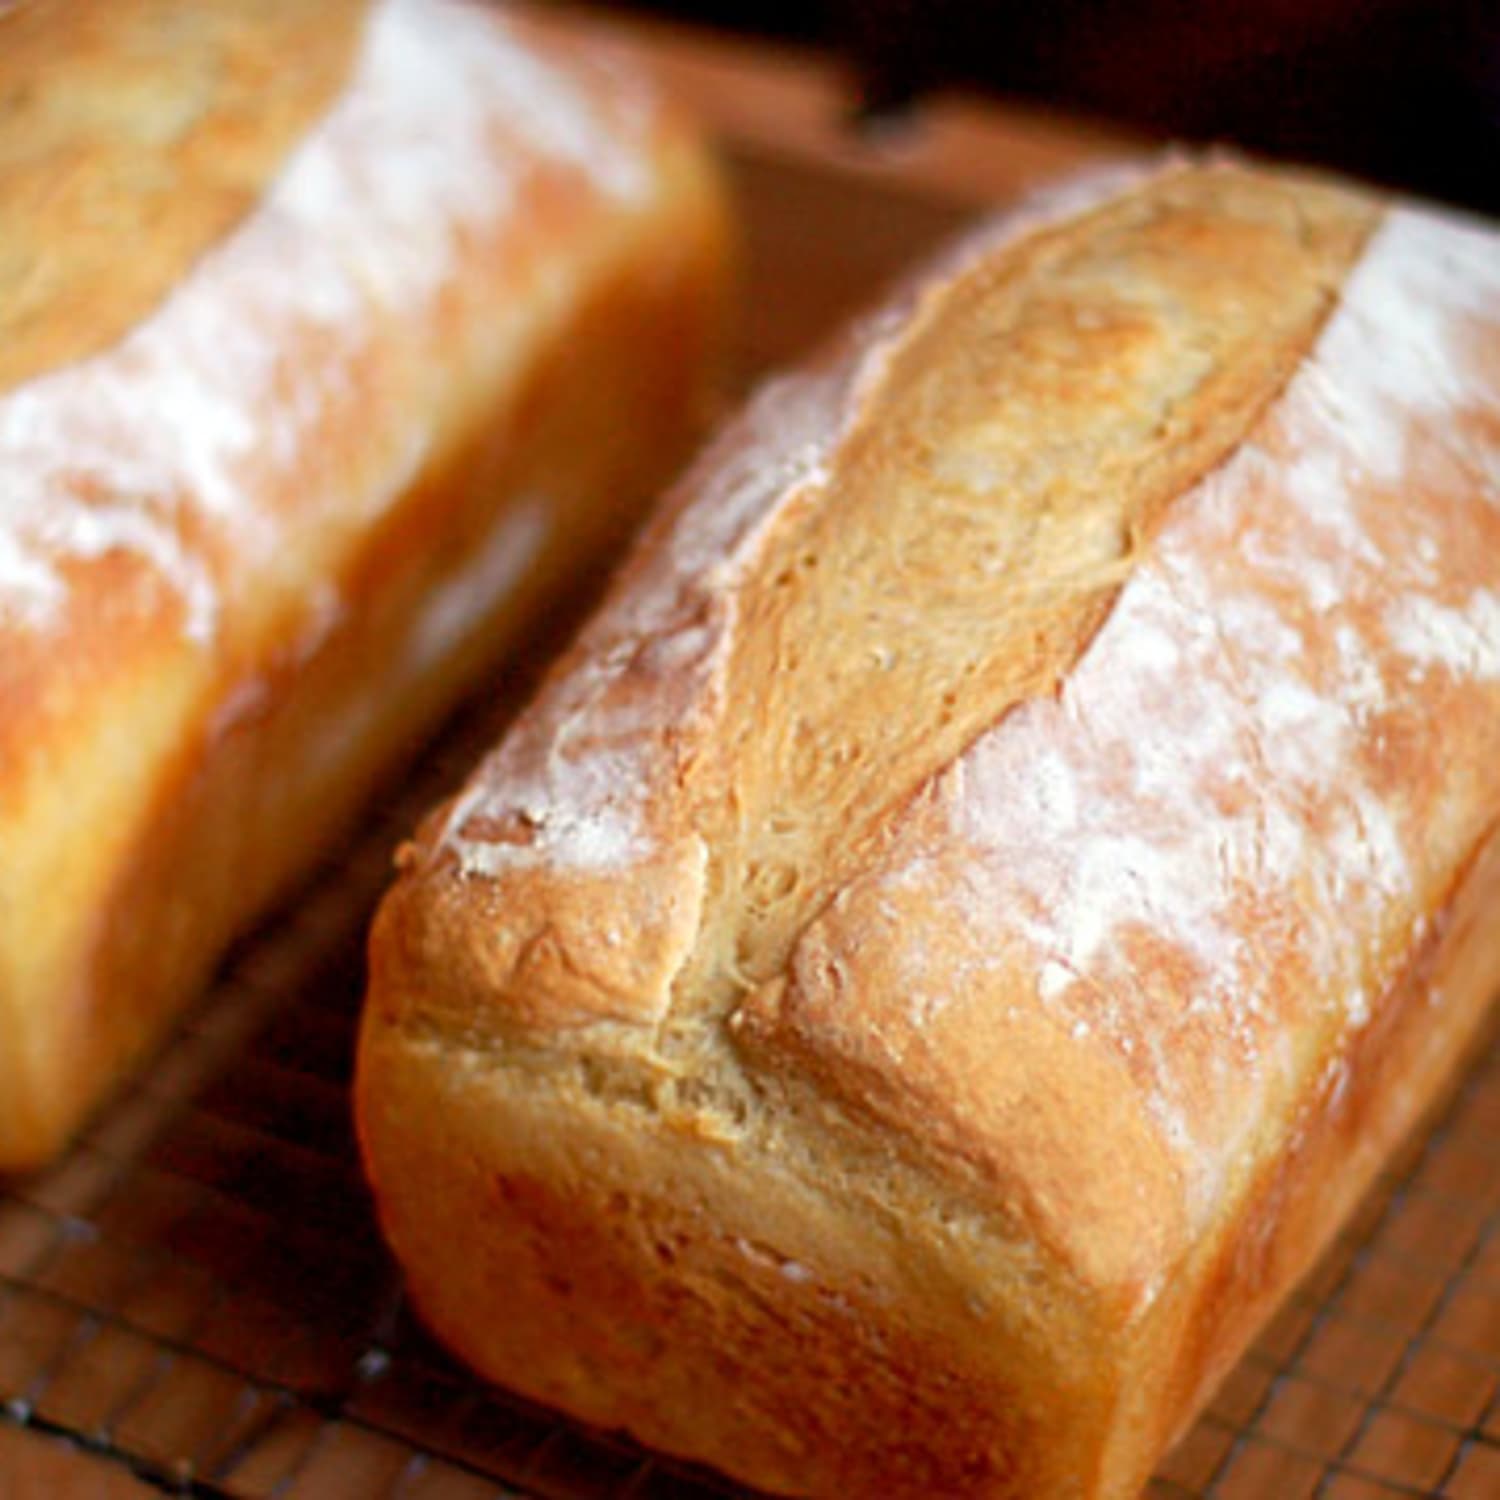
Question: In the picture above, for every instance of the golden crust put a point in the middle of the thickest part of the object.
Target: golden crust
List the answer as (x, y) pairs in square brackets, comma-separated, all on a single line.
[(132, 136), (731, 679), (988, 865), (192, 708), (776, 1317)]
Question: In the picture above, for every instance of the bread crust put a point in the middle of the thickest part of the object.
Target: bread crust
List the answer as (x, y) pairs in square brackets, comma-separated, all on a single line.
[(155, 124), (252, 546), (1008, 849)]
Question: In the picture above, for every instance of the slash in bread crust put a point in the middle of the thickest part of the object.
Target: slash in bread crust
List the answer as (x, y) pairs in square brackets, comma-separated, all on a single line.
[(965, 922)]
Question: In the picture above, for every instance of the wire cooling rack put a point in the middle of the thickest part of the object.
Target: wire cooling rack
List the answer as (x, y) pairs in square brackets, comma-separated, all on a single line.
[(198, 1291)]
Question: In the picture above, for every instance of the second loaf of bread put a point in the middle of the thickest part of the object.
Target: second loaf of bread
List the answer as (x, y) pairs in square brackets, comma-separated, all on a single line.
[(1017, 848), (334, 339)]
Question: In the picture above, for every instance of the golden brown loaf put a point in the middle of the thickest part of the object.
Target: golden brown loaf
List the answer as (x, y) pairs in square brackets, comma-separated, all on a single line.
[(1013, 852), (332, 340)]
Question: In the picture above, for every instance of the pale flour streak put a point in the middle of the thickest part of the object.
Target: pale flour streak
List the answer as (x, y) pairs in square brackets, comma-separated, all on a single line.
[(160, 446)]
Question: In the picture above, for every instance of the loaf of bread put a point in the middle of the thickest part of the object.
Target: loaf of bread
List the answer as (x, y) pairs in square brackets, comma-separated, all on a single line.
[(332, 342), (1012, 854)]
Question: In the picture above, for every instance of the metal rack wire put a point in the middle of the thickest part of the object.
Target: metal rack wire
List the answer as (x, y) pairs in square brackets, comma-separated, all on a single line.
[(198, 1292)]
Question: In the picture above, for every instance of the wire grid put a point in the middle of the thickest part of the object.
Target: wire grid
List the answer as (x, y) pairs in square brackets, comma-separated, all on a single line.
[(198, 1290)]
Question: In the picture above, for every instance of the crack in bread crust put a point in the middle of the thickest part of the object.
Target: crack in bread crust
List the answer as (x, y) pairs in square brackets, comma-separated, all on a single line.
[(764, 651), (999, 482)]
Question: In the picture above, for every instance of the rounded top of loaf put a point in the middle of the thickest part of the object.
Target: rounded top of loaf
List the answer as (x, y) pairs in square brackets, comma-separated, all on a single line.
[(133, 135), (982, 743)]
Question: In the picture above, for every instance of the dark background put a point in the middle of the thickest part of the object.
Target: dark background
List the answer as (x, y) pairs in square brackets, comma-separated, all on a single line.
[(1403, 92)]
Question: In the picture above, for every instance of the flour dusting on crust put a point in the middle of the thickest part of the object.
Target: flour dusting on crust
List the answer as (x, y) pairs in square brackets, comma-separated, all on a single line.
[(573, 784), (571, 787), (160, 446), (1177, 846), (1169, 856), (1464, 640)]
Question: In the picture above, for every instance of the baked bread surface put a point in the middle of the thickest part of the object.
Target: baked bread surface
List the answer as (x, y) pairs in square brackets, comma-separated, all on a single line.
[(150, 127), (416, 312), (1015, 850)]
